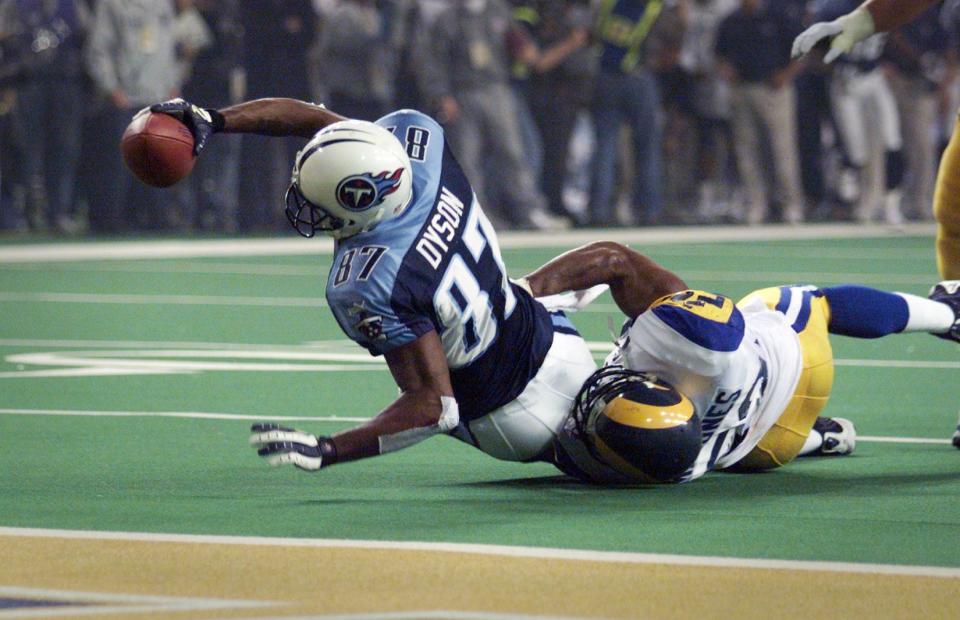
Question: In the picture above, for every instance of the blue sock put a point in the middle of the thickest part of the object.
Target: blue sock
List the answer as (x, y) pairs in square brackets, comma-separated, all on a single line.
[(864, 312)]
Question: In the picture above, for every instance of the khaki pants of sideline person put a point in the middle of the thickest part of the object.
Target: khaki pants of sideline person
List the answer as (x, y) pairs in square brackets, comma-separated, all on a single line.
[(918, 116), (759, 109)]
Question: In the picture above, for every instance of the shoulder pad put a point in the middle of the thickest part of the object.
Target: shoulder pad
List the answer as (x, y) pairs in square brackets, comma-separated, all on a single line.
[(708, 320)]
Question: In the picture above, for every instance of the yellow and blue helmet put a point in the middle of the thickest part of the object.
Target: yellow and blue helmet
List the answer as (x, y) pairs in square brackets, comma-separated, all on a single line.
[(638, 424)]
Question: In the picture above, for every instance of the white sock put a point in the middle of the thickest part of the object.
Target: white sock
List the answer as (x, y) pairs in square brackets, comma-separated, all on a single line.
[(927, 315), (813, 443)]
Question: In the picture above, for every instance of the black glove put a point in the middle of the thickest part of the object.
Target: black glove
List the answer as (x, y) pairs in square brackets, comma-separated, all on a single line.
[(202, 122)]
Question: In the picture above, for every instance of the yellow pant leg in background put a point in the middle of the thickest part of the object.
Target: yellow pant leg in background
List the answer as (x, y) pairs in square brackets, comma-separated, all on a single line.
[(782, 443), (946, 208)]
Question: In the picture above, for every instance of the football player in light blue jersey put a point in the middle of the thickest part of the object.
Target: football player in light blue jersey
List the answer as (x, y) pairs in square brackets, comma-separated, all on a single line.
[(698, 382), (417, 277)]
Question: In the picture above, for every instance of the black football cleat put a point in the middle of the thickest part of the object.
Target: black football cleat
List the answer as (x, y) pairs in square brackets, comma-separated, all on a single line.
[(948, 292), (839, 436)]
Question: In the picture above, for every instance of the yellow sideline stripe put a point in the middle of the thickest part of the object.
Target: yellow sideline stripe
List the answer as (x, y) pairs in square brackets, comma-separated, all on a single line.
[(330, 577), (546, 553)]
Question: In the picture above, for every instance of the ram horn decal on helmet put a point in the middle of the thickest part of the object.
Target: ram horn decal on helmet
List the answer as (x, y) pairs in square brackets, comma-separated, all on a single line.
[(638, 424)]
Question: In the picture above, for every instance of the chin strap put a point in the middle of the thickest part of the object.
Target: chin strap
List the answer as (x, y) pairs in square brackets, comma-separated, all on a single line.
[(449, 419)]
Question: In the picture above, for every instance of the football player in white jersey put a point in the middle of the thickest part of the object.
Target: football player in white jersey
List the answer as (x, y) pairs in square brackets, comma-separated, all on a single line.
[(698, 382), (842, 34)]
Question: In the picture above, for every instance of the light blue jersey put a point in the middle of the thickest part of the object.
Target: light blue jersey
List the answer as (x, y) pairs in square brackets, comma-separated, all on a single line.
[(437, 267)]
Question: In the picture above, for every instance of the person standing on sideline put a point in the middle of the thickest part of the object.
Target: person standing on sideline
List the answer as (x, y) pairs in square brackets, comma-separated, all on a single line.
[(626, 91), (131, 58), (52, 34), (753, 49), (465, 75)]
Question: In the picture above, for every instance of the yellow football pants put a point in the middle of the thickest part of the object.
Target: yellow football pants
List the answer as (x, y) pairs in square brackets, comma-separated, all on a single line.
[(946, 208), (782, 443)]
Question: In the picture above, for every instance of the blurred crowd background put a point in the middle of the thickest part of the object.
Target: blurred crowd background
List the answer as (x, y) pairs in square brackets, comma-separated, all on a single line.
[(564, 113)]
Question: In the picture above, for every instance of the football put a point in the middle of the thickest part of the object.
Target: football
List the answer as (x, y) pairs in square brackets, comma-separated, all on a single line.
[(158, 149)]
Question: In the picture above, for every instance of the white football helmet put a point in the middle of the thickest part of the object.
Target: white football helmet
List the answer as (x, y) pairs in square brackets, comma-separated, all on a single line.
[(351, 176)]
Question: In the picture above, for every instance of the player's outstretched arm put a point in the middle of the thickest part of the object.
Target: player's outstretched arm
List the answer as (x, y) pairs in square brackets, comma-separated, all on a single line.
[(846, 31), (890, 14), (635, 280), (278, 117), (425, 408), (269, 117)]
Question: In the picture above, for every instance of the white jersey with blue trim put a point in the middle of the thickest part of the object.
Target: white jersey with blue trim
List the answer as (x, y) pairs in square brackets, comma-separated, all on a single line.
[(739, 366), (437, 267)]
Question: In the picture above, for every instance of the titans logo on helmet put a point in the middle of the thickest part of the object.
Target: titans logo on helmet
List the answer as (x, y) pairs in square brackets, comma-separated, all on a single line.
[(362, 191)]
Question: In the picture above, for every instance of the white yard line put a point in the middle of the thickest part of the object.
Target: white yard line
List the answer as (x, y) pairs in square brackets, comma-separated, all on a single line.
[(516, 270), (940, 365), (204, 415), (173, 248), (546, 553), (802, 252), (193, 415), (178, 300), (321, 345), (240, 269), (917, 440), (327, 350), (294, 246), (320, 302), (818, 278)]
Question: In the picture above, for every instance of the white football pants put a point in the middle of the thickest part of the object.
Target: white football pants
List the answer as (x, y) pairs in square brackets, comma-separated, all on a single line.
[(852, 95), (525, 427)]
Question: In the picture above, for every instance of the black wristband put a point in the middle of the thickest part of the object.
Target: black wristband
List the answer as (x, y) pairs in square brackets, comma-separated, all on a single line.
[(216, 120), (328, 451)]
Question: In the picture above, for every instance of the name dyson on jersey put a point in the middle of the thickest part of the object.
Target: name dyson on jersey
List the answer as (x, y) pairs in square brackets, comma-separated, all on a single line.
[(434, 242)]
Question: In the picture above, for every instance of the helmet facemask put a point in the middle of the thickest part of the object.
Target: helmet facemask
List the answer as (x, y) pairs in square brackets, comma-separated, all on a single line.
[(318, 219)]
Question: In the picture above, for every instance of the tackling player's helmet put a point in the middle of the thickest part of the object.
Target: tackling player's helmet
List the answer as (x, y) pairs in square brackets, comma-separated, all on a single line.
[(351, 176), (638, 424)]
